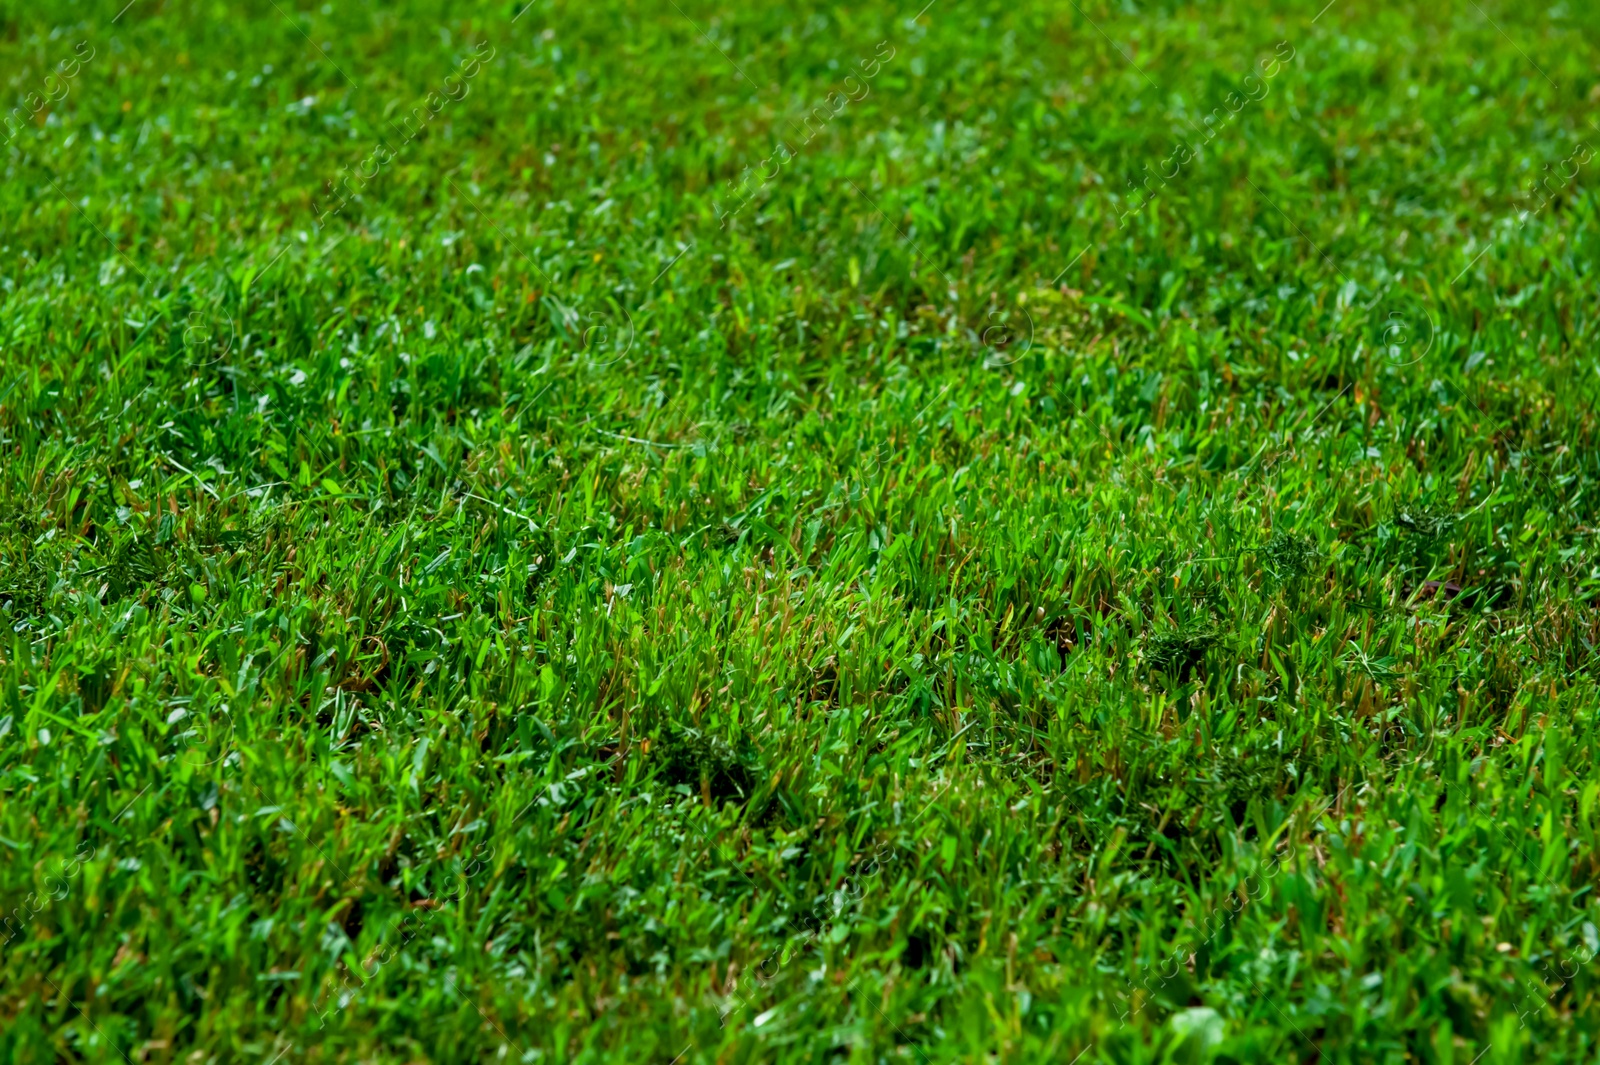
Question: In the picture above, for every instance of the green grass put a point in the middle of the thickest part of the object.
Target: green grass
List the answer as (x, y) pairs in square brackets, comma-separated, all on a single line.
[(746, 533)]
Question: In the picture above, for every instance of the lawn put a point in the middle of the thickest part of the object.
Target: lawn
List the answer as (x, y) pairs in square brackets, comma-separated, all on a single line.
[(618, 530)]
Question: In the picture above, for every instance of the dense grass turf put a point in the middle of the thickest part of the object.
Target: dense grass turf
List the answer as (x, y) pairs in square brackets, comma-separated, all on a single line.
[(632, 531)]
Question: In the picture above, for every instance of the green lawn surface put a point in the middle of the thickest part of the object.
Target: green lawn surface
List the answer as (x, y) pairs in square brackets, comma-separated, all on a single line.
[(634, 531)]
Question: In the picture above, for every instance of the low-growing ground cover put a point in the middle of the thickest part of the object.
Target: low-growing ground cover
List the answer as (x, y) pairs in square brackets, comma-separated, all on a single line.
[(620, 531)]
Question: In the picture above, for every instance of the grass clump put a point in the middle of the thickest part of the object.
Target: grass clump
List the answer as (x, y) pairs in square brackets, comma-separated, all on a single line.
[(707, 765), (1179, 652), (1289, 557)]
